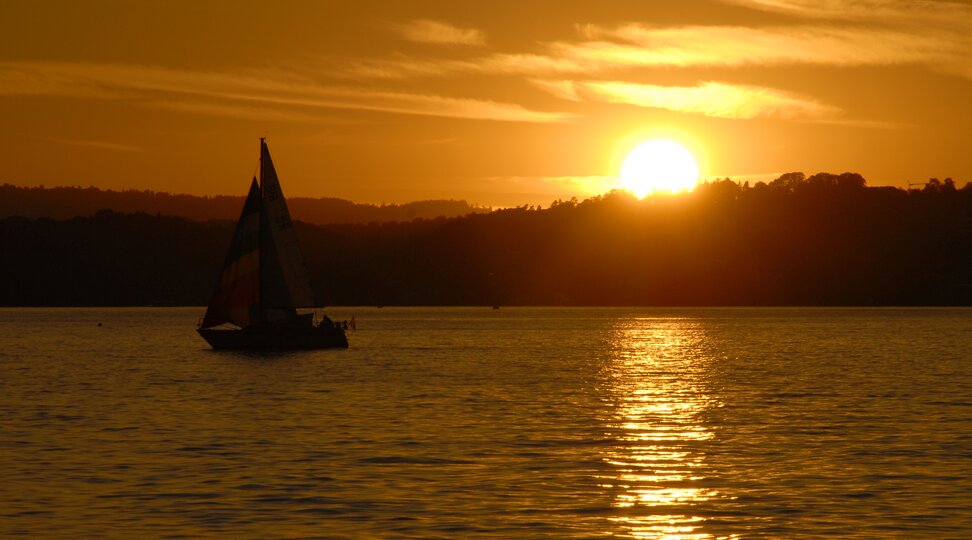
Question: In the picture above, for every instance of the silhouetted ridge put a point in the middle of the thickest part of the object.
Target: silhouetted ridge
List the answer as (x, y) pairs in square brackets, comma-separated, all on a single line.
[(68, 202), (819, 240)]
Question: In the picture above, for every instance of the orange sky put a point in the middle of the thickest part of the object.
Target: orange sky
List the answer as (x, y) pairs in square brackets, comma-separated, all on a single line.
[(499, 103)]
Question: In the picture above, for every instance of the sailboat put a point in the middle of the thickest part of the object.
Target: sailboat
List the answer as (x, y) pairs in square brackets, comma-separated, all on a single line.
[(264, 280)]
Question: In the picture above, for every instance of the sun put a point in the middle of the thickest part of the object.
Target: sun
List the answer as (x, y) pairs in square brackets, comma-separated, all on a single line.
[(659, 165)]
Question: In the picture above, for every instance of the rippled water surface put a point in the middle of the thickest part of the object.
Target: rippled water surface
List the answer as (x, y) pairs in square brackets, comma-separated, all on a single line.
[(516, 423)]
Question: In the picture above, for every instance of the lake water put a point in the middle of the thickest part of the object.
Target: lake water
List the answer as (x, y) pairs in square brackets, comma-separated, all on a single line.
[(516, 423)]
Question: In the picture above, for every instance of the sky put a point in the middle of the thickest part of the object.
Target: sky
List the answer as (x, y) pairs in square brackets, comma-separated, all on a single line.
[(500, 103)]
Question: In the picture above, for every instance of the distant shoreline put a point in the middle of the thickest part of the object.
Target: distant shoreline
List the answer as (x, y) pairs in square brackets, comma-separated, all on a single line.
[(70, 202), (826, 240)]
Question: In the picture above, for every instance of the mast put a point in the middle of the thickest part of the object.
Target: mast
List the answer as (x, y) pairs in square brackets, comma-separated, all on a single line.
[(263, 241)]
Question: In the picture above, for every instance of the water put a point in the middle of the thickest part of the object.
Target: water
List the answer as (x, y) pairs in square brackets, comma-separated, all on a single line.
[(517, 423)]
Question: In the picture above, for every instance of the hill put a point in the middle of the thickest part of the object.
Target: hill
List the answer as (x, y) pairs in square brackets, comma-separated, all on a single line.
[(69, 202), (822, 240)]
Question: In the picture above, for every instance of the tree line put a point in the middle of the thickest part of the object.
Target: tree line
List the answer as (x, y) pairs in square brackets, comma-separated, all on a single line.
[(68, 202), (820, 240)]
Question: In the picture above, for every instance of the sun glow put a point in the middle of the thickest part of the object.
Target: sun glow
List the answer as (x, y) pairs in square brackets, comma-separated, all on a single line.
[(659, 165)]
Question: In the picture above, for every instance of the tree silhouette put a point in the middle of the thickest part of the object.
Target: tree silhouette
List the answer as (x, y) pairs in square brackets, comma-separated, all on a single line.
[(821, 240)]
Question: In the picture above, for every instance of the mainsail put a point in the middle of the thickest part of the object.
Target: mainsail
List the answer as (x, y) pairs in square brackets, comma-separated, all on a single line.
[(285, 282), (264, 278)]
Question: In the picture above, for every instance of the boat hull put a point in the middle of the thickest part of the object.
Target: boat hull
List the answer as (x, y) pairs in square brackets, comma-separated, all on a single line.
[(275, 339)]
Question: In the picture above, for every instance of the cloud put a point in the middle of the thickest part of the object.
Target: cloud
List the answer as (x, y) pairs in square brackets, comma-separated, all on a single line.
[(709, 99), (398, 67), (735, 46), (569, 90), (419, 104), (946, 23), (239, 111), (515, 64), (907, 12), (937, 35), (18, 79), (156, 86), (104, 145), (440, 33)]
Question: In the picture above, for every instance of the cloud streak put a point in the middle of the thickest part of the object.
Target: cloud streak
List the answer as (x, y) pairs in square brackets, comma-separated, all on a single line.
[(440, 33), (608, 60), (103, 145), (937, 35), (934, 34), (737, 46), (710, 99), (905, 12), (163, 87), (239, 110), (604, 61)]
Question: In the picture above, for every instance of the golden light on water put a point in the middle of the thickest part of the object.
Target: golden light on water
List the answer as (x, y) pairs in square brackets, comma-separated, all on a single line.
[(657, 381)]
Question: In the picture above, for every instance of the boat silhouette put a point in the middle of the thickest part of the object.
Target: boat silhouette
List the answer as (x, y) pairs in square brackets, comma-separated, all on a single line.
[(264, 280)]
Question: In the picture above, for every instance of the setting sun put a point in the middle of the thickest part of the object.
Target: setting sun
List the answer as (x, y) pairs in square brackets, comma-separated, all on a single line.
[(659, 165)]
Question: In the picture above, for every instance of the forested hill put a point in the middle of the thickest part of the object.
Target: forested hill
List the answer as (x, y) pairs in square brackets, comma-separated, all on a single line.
[(68, 202), (823, 240)]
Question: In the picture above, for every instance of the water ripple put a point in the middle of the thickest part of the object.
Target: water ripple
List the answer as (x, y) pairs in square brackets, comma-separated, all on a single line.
[(520, 423)]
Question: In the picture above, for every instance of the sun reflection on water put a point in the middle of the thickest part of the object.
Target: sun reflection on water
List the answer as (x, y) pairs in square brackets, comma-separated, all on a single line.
[(657, 381)]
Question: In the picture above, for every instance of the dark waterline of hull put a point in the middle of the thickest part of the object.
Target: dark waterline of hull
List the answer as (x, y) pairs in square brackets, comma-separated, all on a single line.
[(314, 338)]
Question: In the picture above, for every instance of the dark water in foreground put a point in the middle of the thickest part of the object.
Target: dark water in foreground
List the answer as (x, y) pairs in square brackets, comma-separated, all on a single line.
[(517, 423)]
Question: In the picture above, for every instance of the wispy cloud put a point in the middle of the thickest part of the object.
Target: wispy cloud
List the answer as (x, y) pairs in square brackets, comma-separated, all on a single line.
[(231, 110), (103, 145), (946, 23), (734, 46), (937, 35), (709, 99), (515, 64), (907, 12), (603, 62), (156, 86), (19, 79), (440, 33), (399, 66)]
